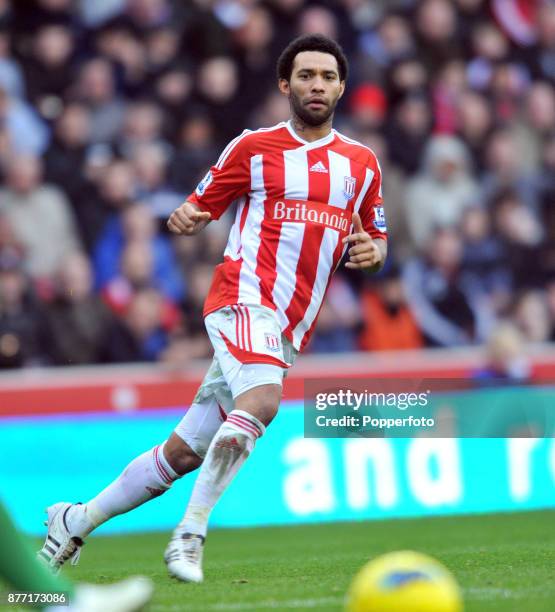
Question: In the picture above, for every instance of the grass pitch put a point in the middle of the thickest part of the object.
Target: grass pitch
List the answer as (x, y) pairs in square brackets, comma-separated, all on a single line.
[(504, 562)]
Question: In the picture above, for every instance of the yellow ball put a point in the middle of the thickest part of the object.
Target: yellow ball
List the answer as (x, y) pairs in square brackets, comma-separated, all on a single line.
[(404, 581)]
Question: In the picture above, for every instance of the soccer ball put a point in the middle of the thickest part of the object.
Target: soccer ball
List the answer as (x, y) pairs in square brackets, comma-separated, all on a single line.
[(404, 581)]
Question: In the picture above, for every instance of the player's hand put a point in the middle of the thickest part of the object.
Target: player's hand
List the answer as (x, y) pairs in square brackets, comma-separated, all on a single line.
[(187, 220), (365, 252)]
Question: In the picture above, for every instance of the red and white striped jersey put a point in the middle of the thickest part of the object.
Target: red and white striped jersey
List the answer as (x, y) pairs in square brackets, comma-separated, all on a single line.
[(295, 202)]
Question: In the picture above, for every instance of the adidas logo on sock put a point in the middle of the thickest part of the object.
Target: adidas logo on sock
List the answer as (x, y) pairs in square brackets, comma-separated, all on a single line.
[(319, 167), (228, 443)]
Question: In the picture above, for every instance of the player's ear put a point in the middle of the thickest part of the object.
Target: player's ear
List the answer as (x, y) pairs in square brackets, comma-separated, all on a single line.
[(284, 87), (341, 89)]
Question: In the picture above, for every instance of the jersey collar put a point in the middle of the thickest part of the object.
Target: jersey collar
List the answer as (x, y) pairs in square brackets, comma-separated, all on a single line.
[(315, 143)]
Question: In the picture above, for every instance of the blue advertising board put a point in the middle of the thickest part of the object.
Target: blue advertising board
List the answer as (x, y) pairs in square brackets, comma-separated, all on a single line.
[(289, 478)]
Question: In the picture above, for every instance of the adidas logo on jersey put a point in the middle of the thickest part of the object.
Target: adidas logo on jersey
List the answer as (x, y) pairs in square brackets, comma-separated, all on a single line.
[(319, 167)]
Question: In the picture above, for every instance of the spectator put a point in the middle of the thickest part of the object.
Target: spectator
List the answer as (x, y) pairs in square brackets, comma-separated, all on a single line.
[(391, 41), (318, 20), (485, 264), (11, 75), (142, 125), (531, 314), (204, 34), (150, 163), (446, 93), (447, 311), (488, 47), (23, 336), (96, 88), (545, 181), (66, 156), (438, 195), (551, 306), (120, 43), (436, 26), (274, 109), (388, 323), (136, 271), (407, 76), (255, 58), (340, 316), (471, 14), (217, 88), (199, 279), (521, 234), (506, 360), (28, 135), (535, 126), (172, 89), (40, 215), (368, 108), (137, 226), (508, 85), (408, 132), (505, 172), (78, 321), (139, 335), (49, 69), (162, 48), (541, 55), (195, 153), (147, 14), (95, 14), (474, 125), (98, 211)]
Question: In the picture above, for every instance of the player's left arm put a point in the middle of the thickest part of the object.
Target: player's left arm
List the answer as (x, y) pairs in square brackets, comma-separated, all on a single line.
[(368, 240)]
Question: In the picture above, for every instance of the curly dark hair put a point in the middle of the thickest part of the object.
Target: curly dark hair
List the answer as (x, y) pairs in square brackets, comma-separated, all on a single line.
[(311, 42)]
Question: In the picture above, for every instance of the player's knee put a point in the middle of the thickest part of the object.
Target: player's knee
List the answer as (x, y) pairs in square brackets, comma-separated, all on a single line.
[(180, 456), (262, 402), (268, 410)]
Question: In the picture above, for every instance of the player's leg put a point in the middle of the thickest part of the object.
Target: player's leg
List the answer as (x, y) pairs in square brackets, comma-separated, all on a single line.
[(148, 476), (230, 447), (232, 444), (256, 389), (152, 473)]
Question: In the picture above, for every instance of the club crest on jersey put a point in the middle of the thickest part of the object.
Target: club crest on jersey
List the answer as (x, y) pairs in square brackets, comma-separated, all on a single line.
[(349, 187), (201, 187), (379, 219), (272, 342)]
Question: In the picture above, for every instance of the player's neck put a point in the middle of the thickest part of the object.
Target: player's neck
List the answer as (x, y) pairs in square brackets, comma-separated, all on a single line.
[(310, 133)]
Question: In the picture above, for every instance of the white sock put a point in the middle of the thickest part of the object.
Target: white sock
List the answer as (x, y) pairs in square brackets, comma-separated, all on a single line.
[(227, 452), (146, 477)]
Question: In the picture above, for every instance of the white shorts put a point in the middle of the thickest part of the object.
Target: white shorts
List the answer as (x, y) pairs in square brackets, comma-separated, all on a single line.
[(249, 351)]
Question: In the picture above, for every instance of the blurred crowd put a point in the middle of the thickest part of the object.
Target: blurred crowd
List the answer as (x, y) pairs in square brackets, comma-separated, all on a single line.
[(111, 111)]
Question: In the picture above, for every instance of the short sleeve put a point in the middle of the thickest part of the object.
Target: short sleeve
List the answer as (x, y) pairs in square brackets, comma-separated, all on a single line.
[(227, 180), (371, 210)]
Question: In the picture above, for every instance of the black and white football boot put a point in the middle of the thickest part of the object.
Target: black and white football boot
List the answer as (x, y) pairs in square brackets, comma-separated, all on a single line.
[(60, 545)]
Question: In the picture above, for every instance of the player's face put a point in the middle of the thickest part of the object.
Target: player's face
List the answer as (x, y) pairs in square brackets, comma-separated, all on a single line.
[(314, 88)]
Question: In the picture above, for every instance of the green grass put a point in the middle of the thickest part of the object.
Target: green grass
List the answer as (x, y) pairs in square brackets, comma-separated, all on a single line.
[(504, 562)]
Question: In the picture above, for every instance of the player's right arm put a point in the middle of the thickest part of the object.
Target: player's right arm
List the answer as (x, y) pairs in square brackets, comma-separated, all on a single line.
[(188, 219), (227, 180)]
